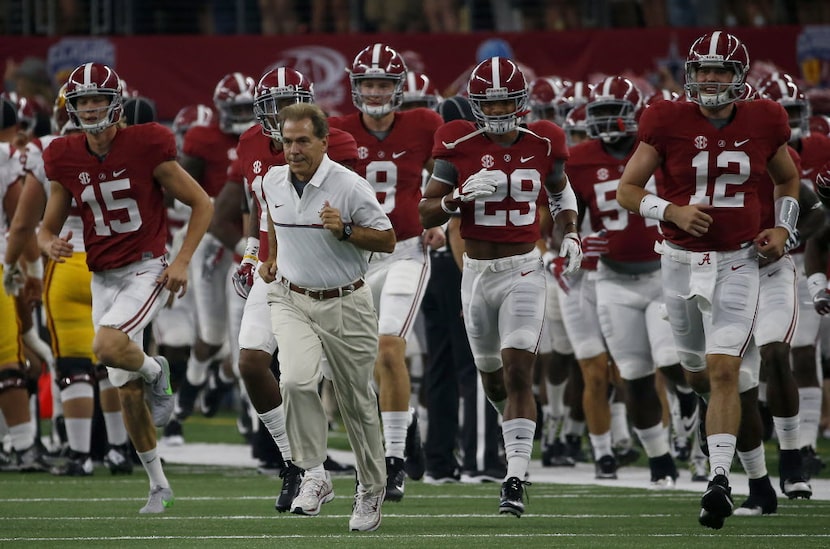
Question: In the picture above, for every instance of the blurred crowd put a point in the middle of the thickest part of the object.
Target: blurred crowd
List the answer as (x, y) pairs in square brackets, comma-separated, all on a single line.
[(60, 17)]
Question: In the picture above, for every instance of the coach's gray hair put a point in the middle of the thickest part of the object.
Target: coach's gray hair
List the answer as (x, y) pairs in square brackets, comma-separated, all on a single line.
[(303, 111)]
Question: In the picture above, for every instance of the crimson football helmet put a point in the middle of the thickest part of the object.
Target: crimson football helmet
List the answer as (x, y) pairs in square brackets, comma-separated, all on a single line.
[(234, 101), (94, 79), (572, 96), (189, 116), (612, 109), (498, 79), (419, 91), (543, 93), (820, 123), (278, 88), (785, 91), (719, 50), (575, 126), (377, 61)]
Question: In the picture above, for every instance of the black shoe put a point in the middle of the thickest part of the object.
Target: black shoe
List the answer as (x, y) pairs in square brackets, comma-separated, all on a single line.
[(556, 455), (761, 501), (663, 472), (449, 477), (606, 468), (214, 393), (337, 468), (395, 477), (701, 426), (626, 456), (76, 465), (173, 433), (575, 451), (291, 476), (414, 451), (186, 396), (791, 471), (31, 460), (716, 504), (119, 459), (811, 462), (512, 497)]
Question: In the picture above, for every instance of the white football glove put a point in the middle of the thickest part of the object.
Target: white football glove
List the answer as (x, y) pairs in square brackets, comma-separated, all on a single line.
[(13, 279), (571, 248), (479, 185)]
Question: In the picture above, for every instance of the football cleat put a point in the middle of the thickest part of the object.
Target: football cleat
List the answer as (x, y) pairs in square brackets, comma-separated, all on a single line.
[(77, 465), (813, 464), (512, 497), (606, 468), (626, 455), (160, 499), (761, 501), (395, 478), (31, 460), (336, 468), (213, 393), (118, 459), (292, 477), (716, 503), (160, 394), (663, 472), (414, 451), (791, 472), (173, 434), (556, 455)]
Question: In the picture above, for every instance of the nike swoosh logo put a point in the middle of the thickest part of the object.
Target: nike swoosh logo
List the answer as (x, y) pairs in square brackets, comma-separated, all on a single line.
[(140, 273), (528, 159), (736, 267), (119, 172), (278, 206), (739, 143), (808, 172), (526, 273), (398, 155), (773, 273), (522, 438)]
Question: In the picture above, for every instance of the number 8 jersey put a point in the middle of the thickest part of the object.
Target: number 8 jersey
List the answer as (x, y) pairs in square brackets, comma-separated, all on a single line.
[(511, 213), (121, 205), (717, 168)]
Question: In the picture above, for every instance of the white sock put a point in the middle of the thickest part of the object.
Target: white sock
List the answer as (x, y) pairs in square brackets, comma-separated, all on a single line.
[(79, 433), (274, 421), (22, 435), (152, 464), (809, 411), (556, 398), (317, 472), (654, 439), (753, 462), (197, 370), (721, 453), (518, 445), (788, 431), (116, 432), (394, 432), (620, 435), (601, 444)]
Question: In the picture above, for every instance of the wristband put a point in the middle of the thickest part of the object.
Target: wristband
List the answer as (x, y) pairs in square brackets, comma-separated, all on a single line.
[(786, 214), (239, 249), (563, 200), (654, 207), (34, 269), (251, 249), (445, 207), (816, 282)]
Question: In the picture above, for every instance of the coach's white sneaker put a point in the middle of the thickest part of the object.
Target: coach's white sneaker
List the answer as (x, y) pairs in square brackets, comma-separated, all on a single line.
[(366, 511), (314, 492)]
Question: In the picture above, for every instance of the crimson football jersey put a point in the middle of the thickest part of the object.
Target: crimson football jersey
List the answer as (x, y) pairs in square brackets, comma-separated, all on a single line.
[(256, 155), (395, 164), (511, 213), (216, 149), (121, 204), (719, 169), (815, 153), (595, 176)]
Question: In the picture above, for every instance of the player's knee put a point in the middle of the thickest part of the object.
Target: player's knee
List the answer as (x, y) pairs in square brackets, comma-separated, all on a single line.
[(12, 378), (691, 362), (109, 346), (76, 378)]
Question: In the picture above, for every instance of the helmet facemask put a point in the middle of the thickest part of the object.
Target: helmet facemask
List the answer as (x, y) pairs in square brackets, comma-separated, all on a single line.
[(110, 113), (267, 107), (395, 98), (715, 94), (610, 120)]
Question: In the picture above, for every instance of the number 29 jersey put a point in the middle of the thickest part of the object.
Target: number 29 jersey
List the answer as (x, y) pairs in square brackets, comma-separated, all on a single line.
[(719, 169), (120, 203), (511, 213)]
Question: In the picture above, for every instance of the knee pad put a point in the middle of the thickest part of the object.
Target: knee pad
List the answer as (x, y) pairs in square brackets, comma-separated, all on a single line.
[(74, 370), (12, 378), (692, 362)]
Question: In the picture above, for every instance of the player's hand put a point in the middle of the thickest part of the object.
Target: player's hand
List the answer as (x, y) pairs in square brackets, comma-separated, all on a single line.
[(174, 278), (434, 238), (556, 266), (821, 302), (243, 278), (770, 243), (571, 251), (690, 218), (268, 271), (13, 279), (479, 185), (60, 248)]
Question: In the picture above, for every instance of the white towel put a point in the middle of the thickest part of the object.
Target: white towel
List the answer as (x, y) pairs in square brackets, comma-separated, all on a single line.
[(704, 274)]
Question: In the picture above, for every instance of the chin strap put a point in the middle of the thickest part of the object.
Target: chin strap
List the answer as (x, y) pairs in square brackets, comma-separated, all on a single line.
[(481, 130), (536, 135)]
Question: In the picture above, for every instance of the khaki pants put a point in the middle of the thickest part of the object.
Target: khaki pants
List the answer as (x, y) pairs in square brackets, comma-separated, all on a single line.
[(345, 329)]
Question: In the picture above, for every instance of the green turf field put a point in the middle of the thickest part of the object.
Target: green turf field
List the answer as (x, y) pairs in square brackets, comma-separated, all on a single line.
[(233, 507)]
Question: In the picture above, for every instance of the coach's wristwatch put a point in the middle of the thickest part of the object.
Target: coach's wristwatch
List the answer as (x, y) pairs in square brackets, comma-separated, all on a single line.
[(347, 232)]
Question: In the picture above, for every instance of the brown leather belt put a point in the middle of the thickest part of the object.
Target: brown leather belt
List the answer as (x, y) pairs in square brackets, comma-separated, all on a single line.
[(323, 294)]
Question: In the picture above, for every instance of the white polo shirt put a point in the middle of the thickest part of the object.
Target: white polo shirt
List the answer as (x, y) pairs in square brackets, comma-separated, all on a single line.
[(307, 254)]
